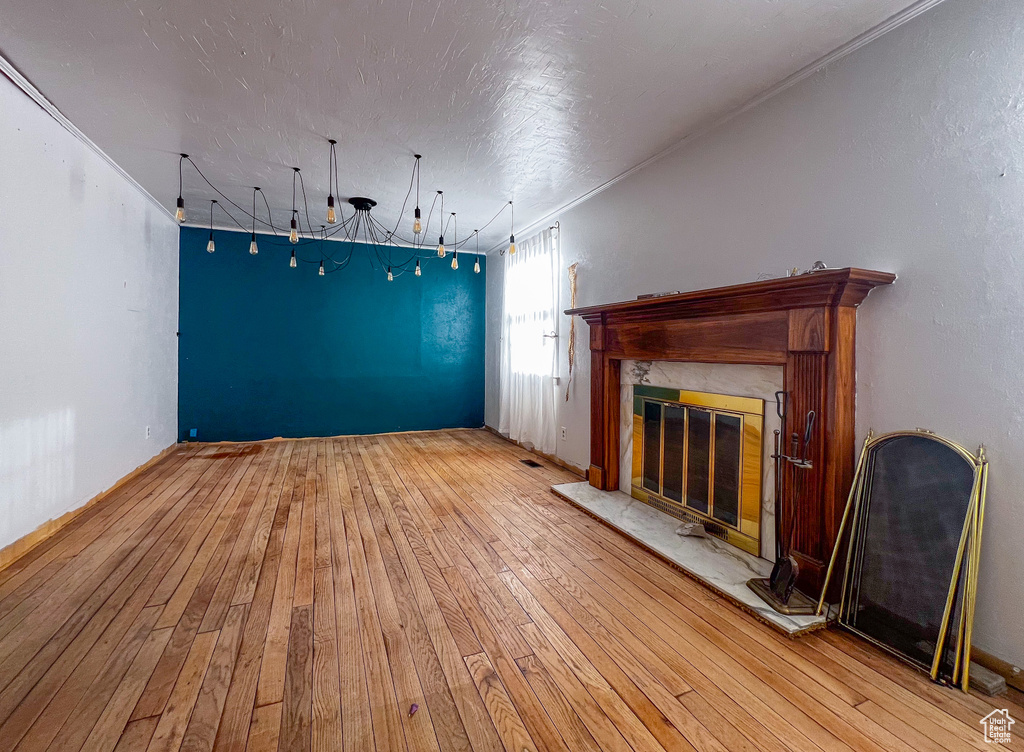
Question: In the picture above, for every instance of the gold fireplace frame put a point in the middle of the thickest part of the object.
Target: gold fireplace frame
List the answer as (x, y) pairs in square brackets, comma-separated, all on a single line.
[(746, 534)]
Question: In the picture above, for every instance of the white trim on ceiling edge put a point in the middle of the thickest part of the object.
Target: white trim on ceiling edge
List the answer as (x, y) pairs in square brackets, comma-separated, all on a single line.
[(912, 11), (907, 14), (8, 69)]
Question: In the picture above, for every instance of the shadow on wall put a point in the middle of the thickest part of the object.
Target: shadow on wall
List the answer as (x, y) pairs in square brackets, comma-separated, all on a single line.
[(37, 471)]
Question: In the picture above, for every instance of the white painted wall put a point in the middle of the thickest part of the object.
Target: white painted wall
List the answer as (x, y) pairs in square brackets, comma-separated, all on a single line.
[(88, 313), (906, 156)]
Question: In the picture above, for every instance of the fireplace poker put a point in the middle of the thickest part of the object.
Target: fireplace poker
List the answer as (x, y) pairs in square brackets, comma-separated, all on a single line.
[(780, 410), (788, 569)]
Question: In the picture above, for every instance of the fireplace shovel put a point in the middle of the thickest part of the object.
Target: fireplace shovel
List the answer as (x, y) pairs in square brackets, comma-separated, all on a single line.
[(782, 561)]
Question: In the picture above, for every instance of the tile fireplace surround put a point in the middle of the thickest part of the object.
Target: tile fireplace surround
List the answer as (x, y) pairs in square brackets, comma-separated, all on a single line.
[(794, 333), (721, 378)]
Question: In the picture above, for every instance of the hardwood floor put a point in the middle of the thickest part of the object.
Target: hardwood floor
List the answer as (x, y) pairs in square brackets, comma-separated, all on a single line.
[(412, 592)]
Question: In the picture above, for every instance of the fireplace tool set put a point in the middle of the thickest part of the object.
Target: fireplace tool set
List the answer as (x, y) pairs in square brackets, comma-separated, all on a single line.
[(778, 590)]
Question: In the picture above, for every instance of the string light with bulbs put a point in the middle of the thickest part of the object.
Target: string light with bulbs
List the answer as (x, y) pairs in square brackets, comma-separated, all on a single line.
[(293, 234), (455, 253), (440, 240), (253, 248), (417, 227), (179, 213), (210, 245), (359, 227), (332, 177), (512, 234)]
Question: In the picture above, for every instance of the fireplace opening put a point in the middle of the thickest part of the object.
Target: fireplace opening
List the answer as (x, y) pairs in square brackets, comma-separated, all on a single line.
[(697, 456)]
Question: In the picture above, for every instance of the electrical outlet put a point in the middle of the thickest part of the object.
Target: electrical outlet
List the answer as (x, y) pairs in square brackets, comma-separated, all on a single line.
[(563, 433), (192, 433), (147, 432)]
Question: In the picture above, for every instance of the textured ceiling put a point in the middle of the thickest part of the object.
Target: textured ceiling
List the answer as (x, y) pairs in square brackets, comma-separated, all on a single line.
[(536, 100)]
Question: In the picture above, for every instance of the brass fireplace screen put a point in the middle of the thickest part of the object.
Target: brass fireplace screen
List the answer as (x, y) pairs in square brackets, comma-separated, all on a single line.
[(697, 456)]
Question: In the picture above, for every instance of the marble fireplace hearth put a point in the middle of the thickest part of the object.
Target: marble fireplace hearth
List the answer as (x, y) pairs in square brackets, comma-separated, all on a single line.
[(722, 567)]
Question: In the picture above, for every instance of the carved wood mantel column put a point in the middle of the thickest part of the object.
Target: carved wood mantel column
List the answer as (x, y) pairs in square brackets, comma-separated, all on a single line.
[(806, 324)]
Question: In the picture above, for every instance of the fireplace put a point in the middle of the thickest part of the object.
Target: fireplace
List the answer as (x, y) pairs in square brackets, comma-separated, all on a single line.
[(697, 456), (803, 325)]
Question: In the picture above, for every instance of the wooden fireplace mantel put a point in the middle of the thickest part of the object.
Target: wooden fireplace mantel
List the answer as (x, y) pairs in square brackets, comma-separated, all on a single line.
[(806, 324)]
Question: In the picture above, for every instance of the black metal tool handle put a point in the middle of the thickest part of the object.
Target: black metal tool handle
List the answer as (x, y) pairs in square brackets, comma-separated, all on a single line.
[(808, 431), (777, 457), (780, 404)]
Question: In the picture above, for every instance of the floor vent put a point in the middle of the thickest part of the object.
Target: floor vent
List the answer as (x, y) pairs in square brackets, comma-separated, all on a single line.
[(531, 463), (711, 528)]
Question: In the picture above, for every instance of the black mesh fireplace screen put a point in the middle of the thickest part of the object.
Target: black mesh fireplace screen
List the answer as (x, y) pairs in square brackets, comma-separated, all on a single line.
[(911, 566)]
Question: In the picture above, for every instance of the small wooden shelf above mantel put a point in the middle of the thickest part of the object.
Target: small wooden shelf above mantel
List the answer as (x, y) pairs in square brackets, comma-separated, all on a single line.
[(827, 288), (806, 324)]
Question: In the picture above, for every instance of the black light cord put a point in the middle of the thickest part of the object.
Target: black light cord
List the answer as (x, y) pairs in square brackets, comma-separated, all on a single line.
[(334, 161), (305, 203), (222, 195), (443, 227), (417, 167), (341, 226), (351, 225), (487, 224), (491, 220), (426, 226), (330, 168), (270, 215), (302, 242), (408, 193)]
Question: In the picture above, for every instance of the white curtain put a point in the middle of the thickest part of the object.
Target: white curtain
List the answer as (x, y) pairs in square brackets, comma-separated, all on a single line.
[(529, 327)]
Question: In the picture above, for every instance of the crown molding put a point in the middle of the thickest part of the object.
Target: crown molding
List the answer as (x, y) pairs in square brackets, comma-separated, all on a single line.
[(893, 22), (26, 86)]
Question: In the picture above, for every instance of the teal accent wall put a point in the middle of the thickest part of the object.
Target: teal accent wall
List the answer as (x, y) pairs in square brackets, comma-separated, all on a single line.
[(265, 350)]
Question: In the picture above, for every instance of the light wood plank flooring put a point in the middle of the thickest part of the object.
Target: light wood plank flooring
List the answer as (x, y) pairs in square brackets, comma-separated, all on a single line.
[(412, 592)]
